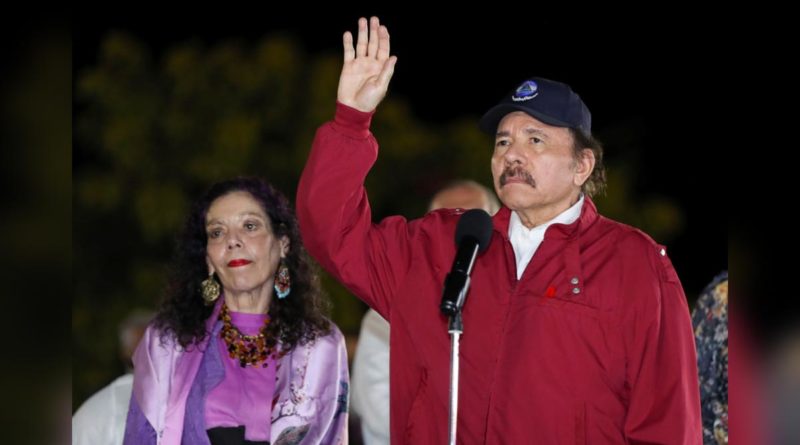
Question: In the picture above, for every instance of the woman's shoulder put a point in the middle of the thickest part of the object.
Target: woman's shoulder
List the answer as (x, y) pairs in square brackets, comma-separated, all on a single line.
[(157, 340), (332, 338), (330, 342), (324, 352)]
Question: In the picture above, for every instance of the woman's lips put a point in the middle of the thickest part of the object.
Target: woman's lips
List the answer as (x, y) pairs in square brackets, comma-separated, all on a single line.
[(237, 263)]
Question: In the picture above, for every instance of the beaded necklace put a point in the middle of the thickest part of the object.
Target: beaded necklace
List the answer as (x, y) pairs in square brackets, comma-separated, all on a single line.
[(250, 350)]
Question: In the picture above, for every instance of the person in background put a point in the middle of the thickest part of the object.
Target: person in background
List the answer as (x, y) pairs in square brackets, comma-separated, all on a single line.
[(100, 420), (370, 383), (710, 321)]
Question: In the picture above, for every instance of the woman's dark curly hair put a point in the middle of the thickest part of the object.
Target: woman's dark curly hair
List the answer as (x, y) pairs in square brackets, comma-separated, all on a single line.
[(295, 320)]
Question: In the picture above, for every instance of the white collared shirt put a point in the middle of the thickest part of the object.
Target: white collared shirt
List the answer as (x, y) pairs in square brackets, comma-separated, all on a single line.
[(101, 418), (525, 241)]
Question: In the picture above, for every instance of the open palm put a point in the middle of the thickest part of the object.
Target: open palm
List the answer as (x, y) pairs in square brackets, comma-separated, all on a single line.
[(367, 68)]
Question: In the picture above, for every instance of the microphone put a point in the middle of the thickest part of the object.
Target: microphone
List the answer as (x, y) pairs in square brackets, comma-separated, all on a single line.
[(473, 233)]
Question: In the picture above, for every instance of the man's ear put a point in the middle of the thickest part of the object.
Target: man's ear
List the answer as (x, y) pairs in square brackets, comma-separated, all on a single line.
[(584, 165)]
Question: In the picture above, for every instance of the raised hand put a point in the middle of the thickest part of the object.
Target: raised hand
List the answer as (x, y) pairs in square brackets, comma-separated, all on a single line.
[(368, 68)]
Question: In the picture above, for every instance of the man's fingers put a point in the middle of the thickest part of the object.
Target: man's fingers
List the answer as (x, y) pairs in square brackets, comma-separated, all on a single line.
[(387, 71), (361, 45), (372, 48), (349, 51), (383, 43)]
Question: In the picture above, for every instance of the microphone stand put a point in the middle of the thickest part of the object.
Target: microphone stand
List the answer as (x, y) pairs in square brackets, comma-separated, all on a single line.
[(473, 233), (455, 329)]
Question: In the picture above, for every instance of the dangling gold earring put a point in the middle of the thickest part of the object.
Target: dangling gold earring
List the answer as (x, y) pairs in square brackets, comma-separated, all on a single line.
[(210, 289), (283, 281)]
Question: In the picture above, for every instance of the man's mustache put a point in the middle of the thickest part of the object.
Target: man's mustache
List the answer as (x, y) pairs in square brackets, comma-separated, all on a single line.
[(517, 172)]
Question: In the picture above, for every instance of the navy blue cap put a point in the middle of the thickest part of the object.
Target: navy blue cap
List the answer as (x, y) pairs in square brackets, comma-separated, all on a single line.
[(551, 102)]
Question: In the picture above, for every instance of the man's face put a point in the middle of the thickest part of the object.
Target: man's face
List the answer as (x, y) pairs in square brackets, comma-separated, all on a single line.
[(533, 167)]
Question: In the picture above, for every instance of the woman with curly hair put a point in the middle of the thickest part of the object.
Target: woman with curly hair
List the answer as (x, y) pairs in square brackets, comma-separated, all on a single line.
[(240, 352)]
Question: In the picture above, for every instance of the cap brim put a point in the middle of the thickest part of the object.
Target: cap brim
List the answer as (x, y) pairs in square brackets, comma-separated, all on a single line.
[(490, 120)]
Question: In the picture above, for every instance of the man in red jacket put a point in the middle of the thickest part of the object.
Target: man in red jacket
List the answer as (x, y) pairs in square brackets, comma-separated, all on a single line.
[(576, 329)]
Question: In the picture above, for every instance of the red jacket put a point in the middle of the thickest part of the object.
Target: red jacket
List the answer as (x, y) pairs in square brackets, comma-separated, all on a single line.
[(592, 345)]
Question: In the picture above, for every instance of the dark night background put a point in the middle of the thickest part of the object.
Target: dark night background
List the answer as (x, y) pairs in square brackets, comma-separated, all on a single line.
[(632, 74), (640, 78)]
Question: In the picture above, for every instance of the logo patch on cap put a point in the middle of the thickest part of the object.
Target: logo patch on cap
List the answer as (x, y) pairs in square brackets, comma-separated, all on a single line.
[(528, 90)]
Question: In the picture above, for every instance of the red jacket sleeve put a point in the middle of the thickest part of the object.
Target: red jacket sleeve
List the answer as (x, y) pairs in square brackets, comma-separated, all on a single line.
[(661, 371), (335, 217)]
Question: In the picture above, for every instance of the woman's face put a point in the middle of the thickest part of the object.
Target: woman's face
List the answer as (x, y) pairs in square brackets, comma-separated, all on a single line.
[(242, 249)]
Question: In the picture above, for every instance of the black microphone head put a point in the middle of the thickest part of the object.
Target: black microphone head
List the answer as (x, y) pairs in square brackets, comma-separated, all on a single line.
[(477, 224)]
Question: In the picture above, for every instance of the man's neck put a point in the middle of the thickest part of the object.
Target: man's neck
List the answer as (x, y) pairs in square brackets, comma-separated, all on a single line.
[(531, 218)]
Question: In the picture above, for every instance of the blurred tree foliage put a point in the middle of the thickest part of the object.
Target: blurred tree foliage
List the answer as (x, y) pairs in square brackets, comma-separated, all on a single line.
[(152, 134)]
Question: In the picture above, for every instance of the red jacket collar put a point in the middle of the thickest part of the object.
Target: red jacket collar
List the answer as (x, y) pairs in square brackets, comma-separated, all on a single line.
[(588, 217)]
